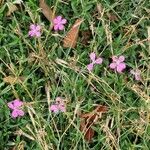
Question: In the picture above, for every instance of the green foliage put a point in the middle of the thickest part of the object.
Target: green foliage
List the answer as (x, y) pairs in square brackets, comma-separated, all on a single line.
[(126, 124)]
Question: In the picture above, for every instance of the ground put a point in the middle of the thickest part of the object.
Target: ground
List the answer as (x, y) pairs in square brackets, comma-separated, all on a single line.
[(37, 70)]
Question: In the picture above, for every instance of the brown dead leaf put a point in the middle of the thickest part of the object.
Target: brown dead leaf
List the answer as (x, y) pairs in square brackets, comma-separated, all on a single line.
[(89, 132), (88, 119), (11, 8), (112, 17), (13, 80), (47, 11), (85, 36), (71, 38)]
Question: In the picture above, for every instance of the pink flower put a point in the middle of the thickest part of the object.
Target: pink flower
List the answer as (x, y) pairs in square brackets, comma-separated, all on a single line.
[(59, 23), (34, 30), (136, 74), (59, 106), (15, 107), (94, 61), (118, 63)]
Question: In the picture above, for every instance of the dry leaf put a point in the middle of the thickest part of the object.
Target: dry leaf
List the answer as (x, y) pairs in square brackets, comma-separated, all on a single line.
[(86, 35), (88, 119), (71, 38), (46, 10), (13, 80), (11, 8), (89, 132), (112, 17)]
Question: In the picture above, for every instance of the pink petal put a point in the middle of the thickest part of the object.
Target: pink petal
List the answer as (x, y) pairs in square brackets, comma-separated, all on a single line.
[(61, 27), (10, 105), (55, 21), (38, 34), (17, 103), (113, 65), (137, 77), (14, 114), (132, 72), (31, 33), (63, 21), (121, 67), (20, 112), (90, 66), (62, 108), (38, 28), (59, 100), (32, 26), (56, 27), (93, 56), (59, 18), (114, 58), (54, 108), (121, 58), (98, 60)]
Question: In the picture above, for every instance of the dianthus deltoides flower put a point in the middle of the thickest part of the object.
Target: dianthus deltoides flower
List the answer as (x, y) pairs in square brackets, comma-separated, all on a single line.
[(59, 23), (58, 106), (94, 61), (35, 30), (15, 106), (118, 63), (136, 73)]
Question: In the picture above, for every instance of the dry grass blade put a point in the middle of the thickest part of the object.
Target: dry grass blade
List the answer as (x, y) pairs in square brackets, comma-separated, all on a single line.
[(46, 10), (13, 80), (71, 38), (100, 10), (11, 8)]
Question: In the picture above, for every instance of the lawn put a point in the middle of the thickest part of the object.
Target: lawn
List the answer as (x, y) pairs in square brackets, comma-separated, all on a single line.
[(76, 82)]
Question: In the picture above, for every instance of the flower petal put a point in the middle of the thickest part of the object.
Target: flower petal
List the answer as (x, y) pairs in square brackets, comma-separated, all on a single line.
[(32, 26), (63, 21), (59, 18), (56, 27), (31, 33), (20, 112), (90, 66), (98, 60), (113, 65), (54, 108), (38, 34), (137, 77), (132, 72), (61, 27), (38, 28), (121, 58), (93, 56), (114, 58), (14, 114), (10, 105), (121, 67), (59, 100), (55, 21), (62, 108), (17, 103)]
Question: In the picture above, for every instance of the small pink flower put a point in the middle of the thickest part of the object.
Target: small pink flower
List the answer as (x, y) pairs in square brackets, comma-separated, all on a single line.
[(59, 106), (136, 74), (94, 61), (34, 30), (118, 63), (59, 23), (15, 107)]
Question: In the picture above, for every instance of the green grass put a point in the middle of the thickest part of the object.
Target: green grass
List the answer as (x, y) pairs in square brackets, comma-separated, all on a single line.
[(125, 126)]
